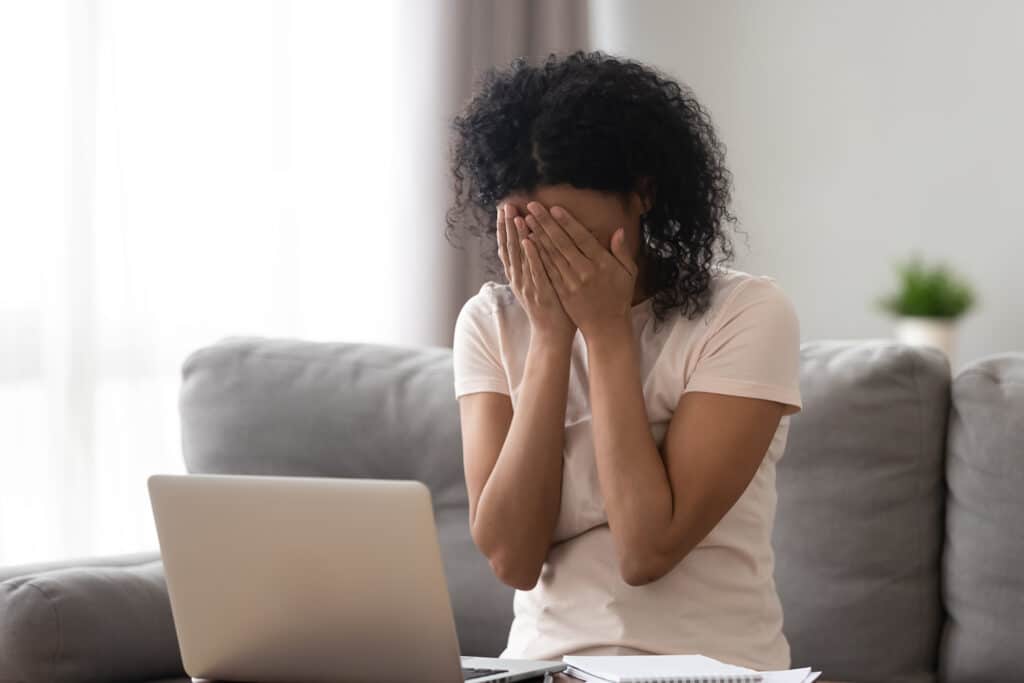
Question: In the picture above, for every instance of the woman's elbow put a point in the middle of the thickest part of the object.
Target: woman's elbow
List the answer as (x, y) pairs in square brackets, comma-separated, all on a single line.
[(509, 565), (518, 575), (639, 573), (641, 567)]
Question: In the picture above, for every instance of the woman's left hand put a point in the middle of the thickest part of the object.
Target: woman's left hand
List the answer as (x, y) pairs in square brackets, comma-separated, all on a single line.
[(595, 285)]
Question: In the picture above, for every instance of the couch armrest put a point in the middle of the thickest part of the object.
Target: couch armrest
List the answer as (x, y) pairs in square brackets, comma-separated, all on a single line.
[(100, 619), (15, 571)]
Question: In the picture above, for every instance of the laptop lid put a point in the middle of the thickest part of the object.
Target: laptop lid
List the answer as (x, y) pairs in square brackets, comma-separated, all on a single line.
[(305, 579)]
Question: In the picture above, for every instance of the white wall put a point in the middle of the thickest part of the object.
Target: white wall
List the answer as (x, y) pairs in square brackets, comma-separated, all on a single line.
[(856, 132)]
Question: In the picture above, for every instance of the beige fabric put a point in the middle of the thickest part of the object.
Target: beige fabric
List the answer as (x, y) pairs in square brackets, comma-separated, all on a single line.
[(721, 599), (609, 650)]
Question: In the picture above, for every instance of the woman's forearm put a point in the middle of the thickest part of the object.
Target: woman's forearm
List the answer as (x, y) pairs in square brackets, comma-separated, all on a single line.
[(518, 506), (631, 472)]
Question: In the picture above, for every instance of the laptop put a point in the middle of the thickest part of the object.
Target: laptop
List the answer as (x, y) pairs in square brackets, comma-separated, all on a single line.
[(286, 579)]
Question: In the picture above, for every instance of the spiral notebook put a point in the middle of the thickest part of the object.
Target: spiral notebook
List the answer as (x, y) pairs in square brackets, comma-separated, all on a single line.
[(657, 669), (675, 669)]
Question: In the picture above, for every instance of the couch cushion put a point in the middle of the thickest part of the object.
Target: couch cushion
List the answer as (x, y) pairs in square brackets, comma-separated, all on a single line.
[(335, 409), (983, 587), (858, 530), (126, 560), (88, 623)]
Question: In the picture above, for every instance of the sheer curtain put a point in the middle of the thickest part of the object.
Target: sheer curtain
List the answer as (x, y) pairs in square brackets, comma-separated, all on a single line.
[(176, 171), (172, 173)]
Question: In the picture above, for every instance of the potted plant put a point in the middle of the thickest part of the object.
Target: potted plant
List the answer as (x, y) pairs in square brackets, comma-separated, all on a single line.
[(928, 302)]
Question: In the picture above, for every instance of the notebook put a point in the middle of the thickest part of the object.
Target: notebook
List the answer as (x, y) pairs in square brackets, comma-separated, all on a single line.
[(657, 669), (675, 669)]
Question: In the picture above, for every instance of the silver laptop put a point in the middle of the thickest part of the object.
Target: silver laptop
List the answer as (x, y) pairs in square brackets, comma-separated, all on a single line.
[(287, 579)]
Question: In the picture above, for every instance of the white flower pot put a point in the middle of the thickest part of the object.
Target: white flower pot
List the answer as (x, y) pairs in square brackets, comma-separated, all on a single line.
[(922, 331)]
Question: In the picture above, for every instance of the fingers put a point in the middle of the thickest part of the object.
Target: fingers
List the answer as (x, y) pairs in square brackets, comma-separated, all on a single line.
[(552, 270), (584, 239), (563, 228), (537, 271), (528, 286), (555, 261), (541, 221), (514, 247), (502, 235)]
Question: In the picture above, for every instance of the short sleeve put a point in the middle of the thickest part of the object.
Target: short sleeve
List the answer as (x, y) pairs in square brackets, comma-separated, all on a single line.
[(753, 347), (476, 361)]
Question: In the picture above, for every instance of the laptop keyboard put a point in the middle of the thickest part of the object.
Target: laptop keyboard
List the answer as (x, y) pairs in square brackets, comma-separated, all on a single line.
[(479, 673)]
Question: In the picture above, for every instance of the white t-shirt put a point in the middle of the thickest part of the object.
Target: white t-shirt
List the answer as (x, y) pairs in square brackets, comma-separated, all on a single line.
[(720, 600)]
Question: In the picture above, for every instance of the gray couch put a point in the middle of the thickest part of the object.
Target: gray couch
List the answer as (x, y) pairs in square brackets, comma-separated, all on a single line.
[(899, 536)]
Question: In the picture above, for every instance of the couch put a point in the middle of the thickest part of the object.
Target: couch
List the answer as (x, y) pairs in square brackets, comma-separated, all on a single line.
[(899, 535)]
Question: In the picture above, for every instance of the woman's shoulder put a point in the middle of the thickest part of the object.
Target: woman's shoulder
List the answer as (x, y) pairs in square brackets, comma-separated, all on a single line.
[(732, 288), (495, 295), (491, 297), (724, 281)]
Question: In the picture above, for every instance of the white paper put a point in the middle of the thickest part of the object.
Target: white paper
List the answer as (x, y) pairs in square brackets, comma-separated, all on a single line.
[(790, 676), (619, 667), (804, 675)]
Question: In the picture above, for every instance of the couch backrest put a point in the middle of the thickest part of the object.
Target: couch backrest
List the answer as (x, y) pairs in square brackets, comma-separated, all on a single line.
[(290, 407), (860, 525), (858, 532), (983, 561)]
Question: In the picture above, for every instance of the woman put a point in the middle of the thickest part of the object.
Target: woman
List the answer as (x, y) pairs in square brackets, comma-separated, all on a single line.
[(625, 397)]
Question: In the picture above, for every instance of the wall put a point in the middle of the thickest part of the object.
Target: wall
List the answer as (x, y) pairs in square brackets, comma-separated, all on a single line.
[(857, 132)]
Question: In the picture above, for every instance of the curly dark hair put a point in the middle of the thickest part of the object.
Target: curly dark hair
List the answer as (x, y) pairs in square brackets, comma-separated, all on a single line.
[(600, 122)]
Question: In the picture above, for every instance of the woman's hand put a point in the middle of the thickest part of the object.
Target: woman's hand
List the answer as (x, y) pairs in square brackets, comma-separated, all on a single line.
[(594, 285), (530, 282)]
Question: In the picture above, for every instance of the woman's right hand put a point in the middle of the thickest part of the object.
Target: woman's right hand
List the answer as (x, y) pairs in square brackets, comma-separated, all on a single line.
[(526, 273)]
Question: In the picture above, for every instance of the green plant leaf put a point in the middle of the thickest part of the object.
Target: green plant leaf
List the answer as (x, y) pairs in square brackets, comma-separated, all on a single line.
[(931, 291)]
